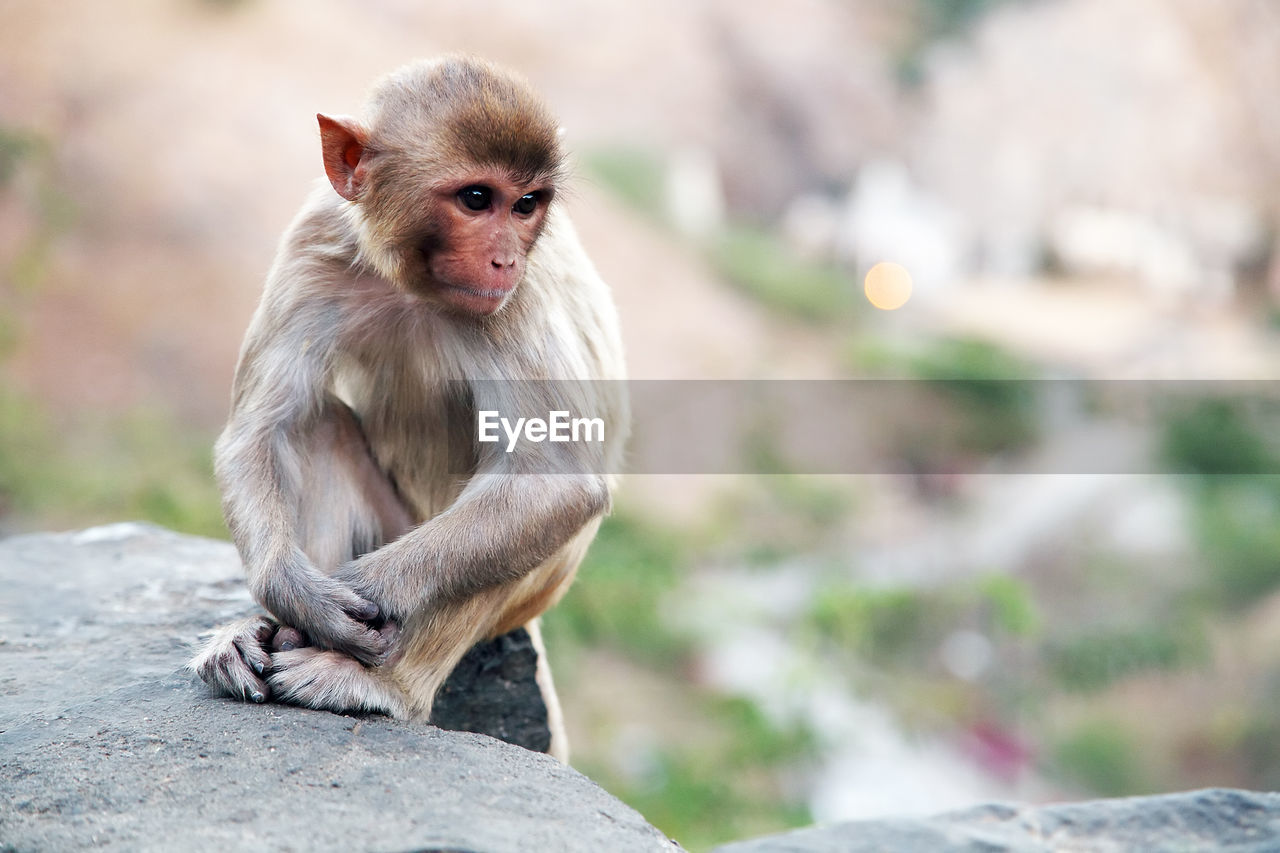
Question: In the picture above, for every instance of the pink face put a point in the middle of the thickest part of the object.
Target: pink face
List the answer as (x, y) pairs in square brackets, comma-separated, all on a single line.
[(486, 227)]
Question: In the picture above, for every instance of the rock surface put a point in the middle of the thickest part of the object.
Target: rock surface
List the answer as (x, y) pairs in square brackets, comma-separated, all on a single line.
[(105, 740), (494, 691), (1218, 820)]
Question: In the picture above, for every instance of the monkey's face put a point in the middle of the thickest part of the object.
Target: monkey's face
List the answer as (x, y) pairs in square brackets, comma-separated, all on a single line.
[(483, 228)]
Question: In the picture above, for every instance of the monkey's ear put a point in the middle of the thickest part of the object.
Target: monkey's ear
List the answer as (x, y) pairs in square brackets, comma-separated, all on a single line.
[(343, 140)]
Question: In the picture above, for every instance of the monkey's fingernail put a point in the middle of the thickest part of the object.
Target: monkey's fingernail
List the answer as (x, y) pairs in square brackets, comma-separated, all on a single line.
[(258, 667), (258, 697), (286, 646), (368, 610)]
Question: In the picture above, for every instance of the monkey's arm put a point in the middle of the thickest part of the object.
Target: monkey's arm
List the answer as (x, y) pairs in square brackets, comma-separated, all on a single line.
[(262, 463), (502, 526)]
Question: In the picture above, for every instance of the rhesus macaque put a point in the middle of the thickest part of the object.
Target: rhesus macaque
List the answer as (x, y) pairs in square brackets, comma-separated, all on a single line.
[(432, 277)]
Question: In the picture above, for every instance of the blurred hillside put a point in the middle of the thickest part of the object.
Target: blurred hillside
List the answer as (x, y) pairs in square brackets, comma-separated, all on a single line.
[(157, 150), (181, 137), (1077, 189)]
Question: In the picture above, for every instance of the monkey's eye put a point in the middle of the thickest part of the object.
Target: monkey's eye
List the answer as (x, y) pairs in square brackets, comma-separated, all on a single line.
[(526, 204), (475, 197)]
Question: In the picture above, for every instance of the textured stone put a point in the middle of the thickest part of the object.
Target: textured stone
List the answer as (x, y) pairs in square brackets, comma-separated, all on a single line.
[(494, 691), (105, 740), (1214, 820)]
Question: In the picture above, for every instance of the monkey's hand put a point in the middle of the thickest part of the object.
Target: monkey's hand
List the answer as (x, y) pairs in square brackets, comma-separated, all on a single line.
[(380, 577), (327, 611)]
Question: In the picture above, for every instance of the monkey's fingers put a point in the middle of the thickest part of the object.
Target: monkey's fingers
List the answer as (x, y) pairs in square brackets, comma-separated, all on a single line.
[(366, 645), (360, 608), (350, 596), (342, 633)]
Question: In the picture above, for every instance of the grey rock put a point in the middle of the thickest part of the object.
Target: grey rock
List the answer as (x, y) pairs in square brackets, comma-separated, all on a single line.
[(1219, 820), (110, 604), (494, 691), (106, 740)]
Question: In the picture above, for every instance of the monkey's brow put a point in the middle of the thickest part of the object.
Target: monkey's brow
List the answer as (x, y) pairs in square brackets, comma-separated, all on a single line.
[(498, 175)]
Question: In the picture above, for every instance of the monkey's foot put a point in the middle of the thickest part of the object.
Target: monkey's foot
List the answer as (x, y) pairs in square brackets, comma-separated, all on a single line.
[(236, 659), (331, 681)]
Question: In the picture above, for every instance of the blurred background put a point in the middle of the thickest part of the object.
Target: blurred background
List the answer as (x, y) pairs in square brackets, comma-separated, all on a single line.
[(1076, 188)]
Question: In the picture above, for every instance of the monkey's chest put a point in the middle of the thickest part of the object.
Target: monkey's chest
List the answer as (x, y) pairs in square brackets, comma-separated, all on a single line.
[(419, 430)]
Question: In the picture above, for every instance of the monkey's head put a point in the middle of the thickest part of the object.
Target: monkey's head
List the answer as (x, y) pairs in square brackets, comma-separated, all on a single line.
[(449, 180)]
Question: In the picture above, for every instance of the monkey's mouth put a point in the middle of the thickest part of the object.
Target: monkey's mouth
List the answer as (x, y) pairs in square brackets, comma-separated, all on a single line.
[(497, 293), (474, 300)]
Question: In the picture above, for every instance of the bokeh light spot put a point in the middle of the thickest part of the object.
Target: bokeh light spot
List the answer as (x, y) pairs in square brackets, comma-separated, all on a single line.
[(888, 286)]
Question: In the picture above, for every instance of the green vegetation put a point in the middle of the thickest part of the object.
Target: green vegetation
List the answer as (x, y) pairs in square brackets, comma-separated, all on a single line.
[(776, 517), (751, 258), (51, 209), (27, 437), (959, 360), (1235, 493), (618, 604), (1214, 436), (704, 790), (1103, 757), (762, 266), (972, 399), (1258, 746), (901, 628), (890, 627), (105, 468), (1008, 605), (16, 147), (990, 390), (1092, 661), (941, 19), (725, 787), (1237, 523), (632, 174), (97, 467), (953, 361)]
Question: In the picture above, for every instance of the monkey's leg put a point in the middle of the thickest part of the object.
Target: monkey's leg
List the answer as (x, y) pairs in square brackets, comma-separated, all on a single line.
[(435, 641), (534, 595), (349, 507), (332, 681)]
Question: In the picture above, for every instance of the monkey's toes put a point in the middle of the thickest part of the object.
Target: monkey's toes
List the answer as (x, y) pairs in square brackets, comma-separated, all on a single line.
[(234, 658), (287, 639), (226, 671)]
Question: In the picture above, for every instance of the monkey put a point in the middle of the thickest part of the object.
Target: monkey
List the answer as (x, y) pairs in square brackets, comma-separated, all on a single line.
[(432, 276)]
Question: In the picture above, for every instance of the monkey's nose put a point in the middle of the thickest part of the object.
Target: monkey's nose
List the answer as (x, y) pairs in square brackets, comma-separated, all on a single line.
[(499, 263)]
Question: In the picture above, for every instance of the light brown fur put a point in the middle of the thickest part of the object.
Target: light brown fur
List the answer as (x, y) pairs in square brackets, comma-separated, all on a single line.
[(352, 481)]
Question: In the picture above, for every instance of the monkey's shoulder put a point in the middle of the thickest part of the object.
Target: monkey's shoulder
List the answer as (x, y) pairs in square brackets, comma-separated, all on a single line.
[(321, 229)]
